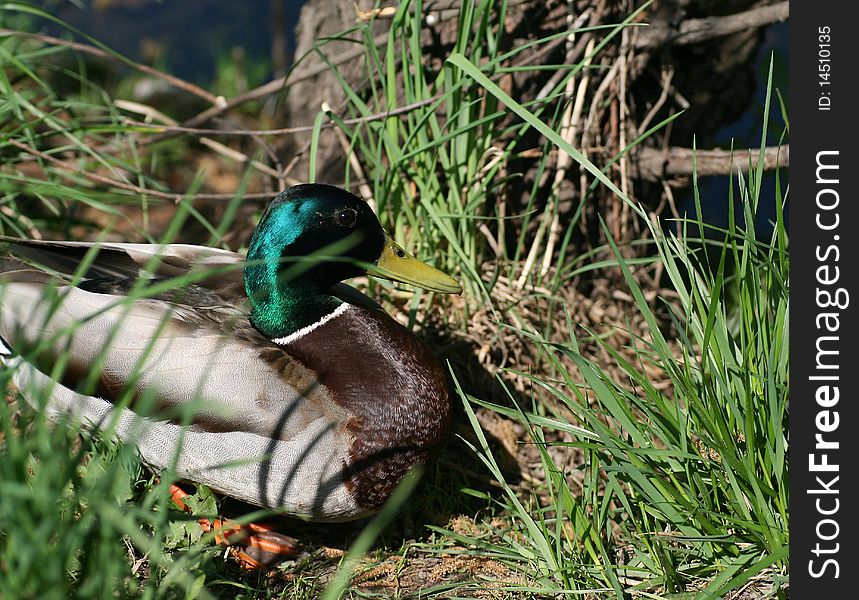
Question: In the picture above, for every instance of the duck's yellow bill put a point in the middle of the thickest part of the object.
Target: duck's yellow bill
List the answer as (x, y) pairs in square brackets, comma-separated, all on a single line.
[(398, 265)]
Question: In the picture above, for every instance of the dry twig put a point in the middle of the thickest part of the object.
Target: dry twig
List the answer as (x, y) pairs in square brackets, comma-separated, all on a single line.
[(93, 51)]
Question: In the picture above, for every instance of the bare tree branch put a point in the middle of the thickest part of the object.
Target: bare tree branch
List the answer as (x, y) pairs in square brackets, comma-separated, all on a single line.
[(282, 130), (113, 183), (693, 31), (655, 165), (93, 51)]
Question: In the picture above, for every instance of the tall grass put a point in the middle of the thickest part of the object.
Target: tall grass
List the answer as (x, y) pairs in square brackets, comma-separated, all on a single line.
[(79, 517), (683, 487), (439, 173), (688, 483)]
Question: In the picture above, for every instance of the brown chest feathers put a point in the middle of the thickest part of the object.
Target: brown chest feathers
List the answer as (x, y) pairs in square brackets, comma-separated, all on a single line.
[(393, 389)]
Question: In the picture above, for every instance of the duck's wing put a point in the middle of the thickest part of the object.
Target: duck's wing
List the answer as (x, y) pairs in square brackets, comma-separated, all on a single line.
[(211, 268), (167, 371)]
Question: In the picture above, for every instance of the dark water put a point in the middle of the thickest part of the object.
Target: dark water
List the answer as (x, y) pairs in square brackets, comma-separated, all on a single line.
[(746, 133), (189, 36)]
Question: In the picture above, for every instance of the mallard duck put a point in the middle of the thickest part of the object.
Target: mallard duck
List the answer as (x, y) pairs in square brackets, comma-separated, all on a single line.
[(265, 379)]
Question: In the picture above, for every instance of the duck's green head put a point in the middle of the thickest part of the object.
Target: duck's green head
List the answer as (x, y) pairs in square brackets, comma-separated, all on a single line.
[(311, 237)]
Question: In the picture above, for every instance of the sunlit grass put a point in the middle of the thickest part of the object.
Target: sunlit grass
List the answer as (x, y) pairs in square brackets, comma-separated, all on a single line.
[(683, 486), (688, 481)]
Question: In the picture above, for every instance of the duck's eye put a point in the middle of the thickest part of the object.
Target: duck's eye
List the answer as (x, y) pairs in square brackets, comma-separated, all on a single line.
[(346, 217)]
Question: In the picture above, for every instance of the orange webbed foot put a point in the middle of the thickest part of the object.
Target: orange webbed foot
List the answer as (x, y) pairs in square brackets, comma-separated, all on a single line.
[(255, 545)]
